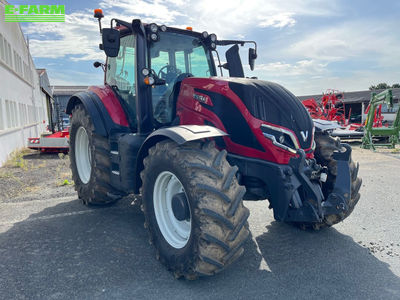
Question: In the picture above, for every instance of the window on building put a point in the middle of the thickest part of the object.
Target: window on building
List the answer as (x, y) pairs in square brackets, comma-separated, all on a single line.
[(17, 63), (8, 114), (1, 114), (10, 60), (29, 115), (27, 72), (24, 116), (2, 51)]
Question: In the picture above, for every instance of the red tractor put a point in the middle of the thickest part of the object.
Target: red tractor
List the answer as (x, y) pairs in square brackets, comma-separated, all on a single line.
[(191, 146)]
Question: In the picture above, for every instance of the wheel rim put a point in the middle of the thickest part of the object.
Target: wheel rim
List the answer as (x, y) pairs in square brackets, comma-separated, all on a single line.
[(83, 156), (175, 232)]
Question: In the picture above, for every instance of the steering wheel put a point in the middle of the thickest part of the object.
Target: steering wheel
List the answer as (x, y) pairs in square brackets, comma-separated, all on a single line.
[(170, 74)]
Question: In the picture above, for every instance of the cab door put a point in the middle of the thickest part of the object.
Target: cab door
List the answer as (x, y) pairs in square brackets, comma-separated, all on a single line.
[(120, 75)]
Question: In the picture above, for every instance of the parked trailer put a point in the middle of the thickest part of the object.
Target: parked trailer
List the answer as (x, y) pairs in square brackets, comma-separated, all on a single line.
[(56, 142)]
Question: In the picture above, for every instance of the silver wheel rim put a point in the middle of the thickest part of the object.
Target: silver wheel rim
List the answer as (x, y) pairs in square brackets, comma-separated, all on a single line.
[(175, 232), (83, 156)]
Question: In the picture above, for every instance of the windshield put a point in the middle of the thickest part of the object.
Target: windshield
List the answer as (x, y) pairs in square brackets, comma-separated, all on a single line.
[(182, 53), (173, 58)]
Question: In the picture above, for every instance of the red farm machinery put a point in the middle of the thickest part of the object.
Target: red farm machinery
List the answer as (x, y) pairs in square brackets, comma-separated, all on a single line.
[(191, 146)]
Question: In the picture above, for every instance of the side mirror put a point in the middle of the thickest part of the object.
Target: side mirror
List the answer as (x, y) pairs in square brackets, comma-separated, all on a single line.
[(252, 57), (111, 40), (97, 64)]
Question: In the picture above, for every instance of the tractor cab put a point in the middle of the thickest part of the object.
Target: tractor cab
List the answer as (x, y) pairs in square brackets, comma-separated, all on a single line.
[(141, 55)]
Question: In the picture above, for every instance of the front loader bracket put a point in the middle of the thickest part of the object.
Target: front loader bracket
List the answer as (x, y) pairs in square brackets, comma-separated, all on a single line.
[(338, 201)]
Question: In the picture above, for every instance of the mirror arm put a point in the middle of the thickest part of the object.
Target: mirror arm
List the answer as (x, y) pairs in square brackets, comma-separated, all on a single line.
[(120, 22), (219, 63)]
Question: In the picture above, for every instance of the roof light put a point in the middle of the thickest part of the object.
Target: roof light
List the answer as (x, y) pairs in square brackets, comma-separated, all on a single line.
[(163, 28), (189, 28), (204, 34), (98, 13), (213, 37)]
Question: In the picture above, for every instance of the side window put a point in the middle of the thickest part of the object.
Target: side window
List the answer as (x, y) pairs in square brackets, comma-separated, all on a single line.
[(121, 69), (120, 73), (198, 63)]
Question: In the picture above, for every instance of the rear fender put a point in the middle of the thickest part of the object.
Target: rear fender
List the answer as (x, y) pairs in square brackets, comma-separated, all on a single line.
[(102, 121), (179, 134), (86, 99)]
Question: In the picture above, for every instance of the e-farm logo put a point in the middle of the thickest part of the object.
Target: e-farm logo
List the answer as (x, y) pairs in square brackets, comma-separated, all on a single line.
[(34, 13)]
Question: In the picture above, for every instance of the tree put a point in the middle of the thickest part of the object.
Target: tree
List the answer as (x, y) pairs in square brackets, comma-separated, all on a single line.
[(396, 85), (380, 86)]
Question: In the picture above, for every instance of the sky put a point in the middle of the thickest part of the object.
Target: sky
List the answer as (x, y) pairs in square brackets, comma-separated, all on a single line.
[(307, 46)]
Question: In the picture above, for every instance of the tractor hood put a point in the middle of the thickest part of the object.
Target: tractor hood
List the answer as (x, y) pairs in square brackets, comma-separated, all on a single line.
[(274, 104)]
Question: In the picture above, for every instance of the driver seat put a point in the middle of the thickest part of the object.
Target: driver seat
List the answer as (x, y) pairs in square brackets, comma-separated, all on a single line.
[(173, 97), (165, 110)]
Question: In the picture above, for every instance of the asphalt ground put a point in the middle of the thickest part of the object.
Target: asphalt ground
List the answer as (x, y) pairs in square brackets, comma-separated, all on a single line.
[(53, 247)]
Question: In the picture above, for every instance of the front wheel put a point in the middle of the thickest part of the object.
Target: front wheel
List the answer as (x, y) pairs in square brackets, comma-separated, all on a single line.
[(90, 162), (193, 208)]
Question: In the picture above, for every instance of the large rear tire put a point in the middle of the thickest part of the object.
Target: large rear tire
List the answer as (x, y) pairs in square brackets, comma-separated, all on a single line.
[(90, 162), (193, 208), (325, 146)]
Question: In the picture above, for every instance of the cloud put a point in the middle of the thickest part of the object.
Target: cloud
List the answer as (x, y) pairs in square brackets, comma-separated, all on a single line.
[(349, 40), (299, 68), (76, 38), (278, 21), (72, 77), (307, 45)]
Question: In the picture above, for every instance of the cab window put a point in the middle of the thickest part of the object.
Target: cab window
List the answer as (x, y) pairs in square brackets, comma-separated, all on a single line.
[(121, 73), (174, 57)]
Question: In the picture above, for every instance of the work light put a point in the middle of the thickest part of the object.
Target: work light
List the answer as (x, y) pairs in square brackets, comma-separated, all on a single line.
[(153, 27)]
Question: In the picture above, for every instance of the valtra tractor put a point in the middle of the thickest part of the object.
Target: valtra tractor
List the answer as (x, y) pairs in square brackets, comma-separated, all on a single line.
[(191, 146)]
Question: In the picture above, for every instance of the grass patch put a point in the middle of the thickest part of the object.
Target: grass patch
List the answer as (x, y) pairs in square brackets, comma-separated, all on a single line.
[(65, 182), (6, 175), (16, 159)]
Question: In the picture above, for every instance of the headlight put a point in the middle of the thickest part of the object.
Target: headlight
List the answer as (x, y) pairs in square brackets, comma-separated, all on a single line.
[(213, 37), (281, 137)]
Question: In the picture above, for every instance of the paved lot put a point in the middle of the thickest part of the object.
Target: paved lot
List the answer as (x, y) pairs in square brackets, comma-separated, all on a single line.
[(54, 247)]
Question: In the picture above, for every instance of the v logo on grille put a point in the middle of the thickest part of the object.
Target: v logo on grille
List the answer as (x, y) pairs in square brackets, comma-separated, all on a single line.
[(304, 135)]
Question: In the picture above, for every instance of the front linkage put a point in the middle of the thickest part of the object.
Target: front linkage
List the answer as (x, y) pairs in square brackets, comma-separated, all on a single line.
[(314, 207)]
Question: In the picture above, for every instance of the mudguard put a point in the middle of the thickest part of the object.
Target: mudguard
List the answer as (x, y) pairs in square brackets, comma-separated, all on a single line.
[(103, 124), (186, 133), (180, 134), (325, 126)]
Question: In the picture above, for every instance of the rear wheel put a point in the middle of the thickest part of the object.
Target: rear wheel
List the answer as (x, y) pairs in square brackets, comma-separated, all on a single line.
[(325, 146), (193, 208), (90, 162)]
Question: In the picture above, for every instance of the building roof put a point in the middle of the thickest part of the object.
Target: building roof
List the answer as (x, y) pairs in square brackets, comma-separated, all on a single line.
[(44, 81), (354, 97), (65, 90)]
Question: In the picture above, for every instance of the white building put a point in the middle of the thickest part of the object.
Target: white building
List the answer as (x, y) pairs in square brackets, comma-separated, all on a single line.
[(23, 111)]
